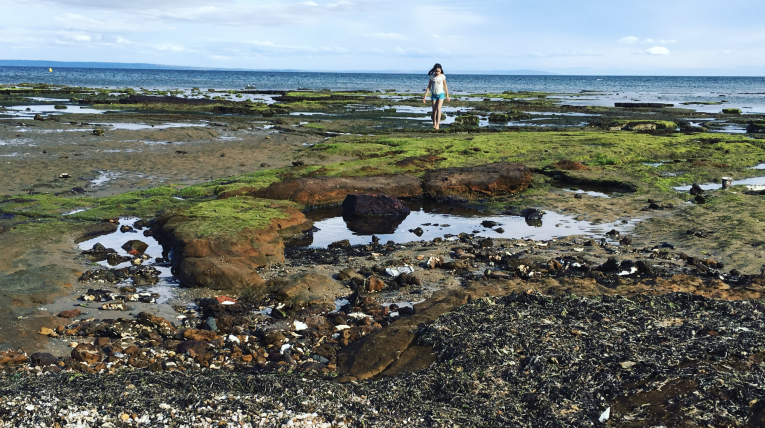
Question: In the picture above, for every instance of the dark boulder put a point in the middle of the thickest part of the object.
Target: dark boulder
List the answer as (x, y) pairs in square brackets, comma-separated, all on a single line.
[(373, 205), (135, 247)]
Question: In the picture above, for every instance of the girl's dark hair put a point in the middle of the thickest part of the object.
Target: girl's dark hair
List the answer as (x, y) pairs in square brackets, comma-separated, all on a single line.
[(433, 70)]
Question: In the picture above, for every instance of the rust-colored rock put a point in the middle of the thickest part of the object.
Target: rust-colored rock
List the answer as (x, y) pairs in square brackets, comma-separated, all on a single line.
[(226, 263), (311, 289), (159, 324), (331, 190), (70, 314), (375, 284), (86, 353), (569, 165), (200, 335), (493, 179)]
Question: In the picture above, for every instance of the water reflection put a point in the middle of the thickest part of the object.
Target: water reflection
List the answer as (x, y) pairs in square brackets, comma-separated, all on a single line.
[(443, 221)]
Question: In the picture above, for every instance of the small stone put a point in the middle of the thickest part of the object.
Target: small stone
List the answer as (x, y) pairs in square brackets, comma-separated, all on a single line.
[(135, 247), (70, 314), (375, 284), (627, 364), (42, 359), (86, 353), (45, 331), (210, 324)]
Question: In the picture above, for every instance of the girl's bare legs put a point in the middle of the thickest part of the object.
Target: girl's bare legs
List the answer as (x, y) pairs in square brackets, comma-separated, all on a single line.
[(437, 103)]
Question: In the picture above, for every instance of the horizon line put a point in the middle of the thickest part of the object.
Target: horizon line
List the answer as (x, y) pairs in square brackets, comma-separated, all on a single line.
[(151, 66)]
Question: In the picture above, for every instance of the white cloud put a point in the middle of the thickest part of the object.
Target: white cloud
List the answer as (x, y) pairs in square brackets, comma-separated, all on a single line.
[(727, 52), (657, 50), (170, 47), (387, 36), (629, 40), (222, 12), (220, 57)]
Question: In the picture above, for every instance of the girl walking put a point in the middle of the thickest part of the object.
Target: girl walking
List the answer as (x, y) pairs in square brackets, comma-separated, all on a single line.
[(439, 91)]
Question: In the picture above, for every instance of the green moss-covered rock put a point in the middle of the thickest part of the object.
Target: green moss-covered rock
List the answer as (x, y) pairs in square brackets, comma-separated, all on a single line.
[(467, 120), (731, 111), (498, 117)]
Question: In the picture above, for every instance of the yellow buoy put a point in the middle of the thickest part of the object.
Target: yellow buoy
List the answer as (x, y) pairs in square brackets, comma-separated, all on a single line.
[(50, 70)]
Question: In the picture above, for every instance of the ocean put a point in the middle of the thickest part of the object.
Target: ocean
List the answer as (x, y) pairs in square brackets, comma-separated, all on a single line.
[(747, 93)]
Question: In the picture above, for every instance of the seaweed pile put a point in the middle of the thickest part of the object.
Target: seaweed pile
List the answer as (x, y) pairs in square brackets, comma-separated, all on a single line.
[(524, 360)]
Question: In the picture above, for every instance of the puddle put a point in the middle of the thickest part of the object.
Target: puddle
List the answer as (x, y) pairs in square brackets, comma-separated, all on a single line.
[(103, 177), (437, 221), (654, 164), (760, 166), (139, 126), (754, 181), (588, 192), (48, 100), (32, 110), (570, 114), (117, 239)]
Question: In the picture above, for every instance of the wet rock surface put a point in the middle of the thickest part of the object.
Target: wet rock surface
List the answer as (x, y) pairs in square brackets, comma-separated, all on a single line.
[(373, 205), (479, 181), (332, 190)]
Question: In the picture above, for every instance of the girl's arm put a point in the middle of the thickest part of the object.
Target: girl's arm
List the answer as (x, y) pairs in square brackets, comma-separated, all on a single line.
[(446, 89), (424, 97)]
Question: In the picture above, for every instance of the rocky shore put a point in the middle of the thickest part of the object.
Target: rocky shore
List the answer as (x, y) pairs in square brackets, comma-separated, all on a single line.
[(208, 302)]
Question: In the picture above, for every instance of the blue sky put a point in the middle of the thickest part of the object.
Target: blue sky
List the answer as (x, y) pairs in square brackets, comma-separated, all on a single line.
[(669, 37)]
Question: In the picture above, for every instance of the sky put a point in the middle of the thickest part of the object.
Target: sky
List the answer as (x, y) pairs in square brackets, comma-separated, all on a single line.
[(611, 37)]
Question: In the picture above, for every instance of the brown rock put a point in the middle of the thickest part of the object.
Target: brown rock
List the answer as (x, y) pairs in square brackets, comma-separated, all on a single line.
[(200, 335), (274, 338), (311, 289), (458, 264), (347, 274), (131, 350), (569, 165), (102, 341), (193, 348), (223, 263), (329, 190), (478, 181), (86, 353), (375, 284), (159, 324), (45, 331), (70, 314), (247, 358)]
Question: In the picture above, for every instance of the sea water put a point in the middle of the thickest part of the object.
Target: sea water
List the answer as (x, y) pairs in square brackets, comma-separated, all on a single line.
[(747, 93)]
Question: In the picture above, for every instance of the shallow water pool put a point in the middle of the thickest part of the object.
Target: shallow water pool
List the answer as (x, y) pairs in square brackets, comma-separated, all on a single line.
[(441, 222)]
